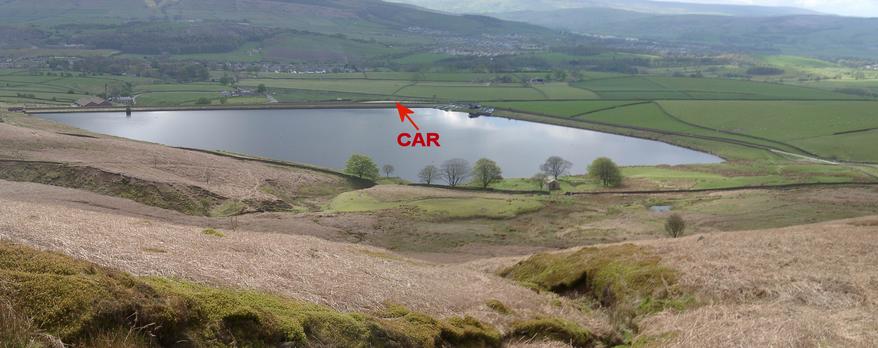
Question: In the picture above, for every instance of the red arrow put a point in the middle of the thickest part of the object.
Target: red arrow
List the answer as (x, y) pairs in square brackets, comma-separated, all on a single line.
[(404, 113)]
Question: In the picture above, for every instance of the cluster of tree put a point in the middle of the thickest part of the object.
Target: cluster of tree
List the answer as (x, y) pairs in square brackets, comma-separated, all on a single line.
[(485, 172), (456, 171), (160, 69), (104, 65), (603, 170), (20, 37), (183, 72)]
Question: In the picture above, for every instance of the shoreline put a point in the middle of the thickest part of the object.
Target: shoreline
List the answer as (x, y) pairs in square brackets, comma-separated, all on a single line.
[(276, 106)]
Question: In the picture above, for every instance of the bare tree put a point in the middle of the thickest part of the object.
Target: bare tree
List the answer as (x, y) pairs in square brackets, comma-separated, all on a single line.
[(675, 226), (556, 166), (455, 171), (388, 170), (428, 174)]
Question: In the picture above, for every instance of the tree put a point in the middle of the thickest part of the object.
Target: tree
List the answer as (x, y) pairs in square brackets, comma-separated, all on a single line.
[(605, 170), (387, 169), (556, 166), (226, 80), (486, 172), (428, 174), (261, 89), (675, 225), (362, 167), (455, 171), (540, 180)]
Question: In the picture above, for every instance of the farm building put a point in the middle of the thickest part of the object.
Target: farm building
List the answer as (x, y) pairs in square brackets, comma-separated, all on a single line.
[(123, 100), (553, 184), (92, 102)]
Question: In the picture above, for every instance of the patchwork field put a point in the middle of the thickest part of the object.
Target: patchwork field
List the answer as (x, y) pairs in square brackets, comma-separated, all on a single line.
[(657, 87), (837, 130)]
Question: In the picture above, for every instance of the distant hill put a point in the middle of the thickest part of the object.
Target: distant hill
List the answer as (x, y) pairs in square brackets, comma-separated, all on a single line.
[(353, 17), (644, 6), (814, 35), (313, 31)]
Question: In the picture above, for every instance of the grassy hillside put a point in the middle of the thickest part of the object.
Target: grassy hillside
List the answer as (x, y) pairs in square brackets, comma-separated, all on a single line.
[(359, 18)]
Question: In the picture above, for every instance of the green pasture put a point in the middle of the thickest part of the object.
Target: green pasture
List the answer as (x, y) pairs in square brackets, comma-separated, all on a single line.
[(561, 108), (811, 125), (440, 207), (181, 87), (174, 98), (383, 87), (660, 87)]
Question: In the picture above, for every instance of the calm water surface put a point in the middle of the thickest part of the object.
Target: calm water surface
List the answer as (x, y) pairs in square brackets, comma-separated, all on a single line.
[(328, 137)]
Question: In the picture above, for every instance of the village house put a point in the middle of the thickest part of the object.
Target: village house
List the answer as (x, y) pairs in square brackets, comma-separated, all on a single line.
[(92, 102)]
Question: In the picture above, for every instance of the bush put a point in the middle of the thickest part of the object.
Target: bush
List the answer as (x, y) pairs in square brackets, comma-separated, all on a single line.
[(213, 232), (675, 226)]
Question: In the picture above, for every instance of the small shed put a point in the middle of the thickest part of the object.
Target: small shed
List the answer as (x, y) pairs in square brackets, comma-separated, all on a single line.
[(553, 184)]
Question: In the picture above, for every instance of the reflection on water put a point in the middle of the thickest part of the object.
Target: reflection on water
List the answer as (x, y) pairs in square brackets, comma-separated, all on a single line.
[(328, 137)]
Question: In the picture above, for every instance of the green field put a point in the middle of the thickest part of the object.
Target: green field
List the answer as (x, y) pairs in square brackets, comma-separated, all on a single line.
[(712, 176), (811, 125), (563, 108), (660, 87), (446, 90), (439, 207)]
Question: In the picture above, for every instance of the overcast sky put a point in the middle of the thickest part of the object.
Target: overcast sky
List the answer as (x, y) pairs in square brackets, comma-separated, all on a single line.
[(860, 8)]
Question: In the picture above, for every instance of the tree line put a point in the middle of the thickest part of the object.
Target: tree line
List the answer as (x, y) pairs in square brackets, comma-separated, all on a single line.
[(486, 172)]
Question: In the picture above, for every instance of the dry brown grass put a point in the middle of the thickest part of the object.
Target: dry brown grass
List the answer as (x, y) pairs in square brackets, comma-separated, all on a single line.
[(225, 176), (340, 275), (811, 285)]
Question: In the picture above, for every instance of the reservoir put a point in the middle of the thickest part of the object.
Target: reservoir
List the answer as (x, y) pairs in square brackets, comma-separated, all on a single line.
[(328, 137)]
